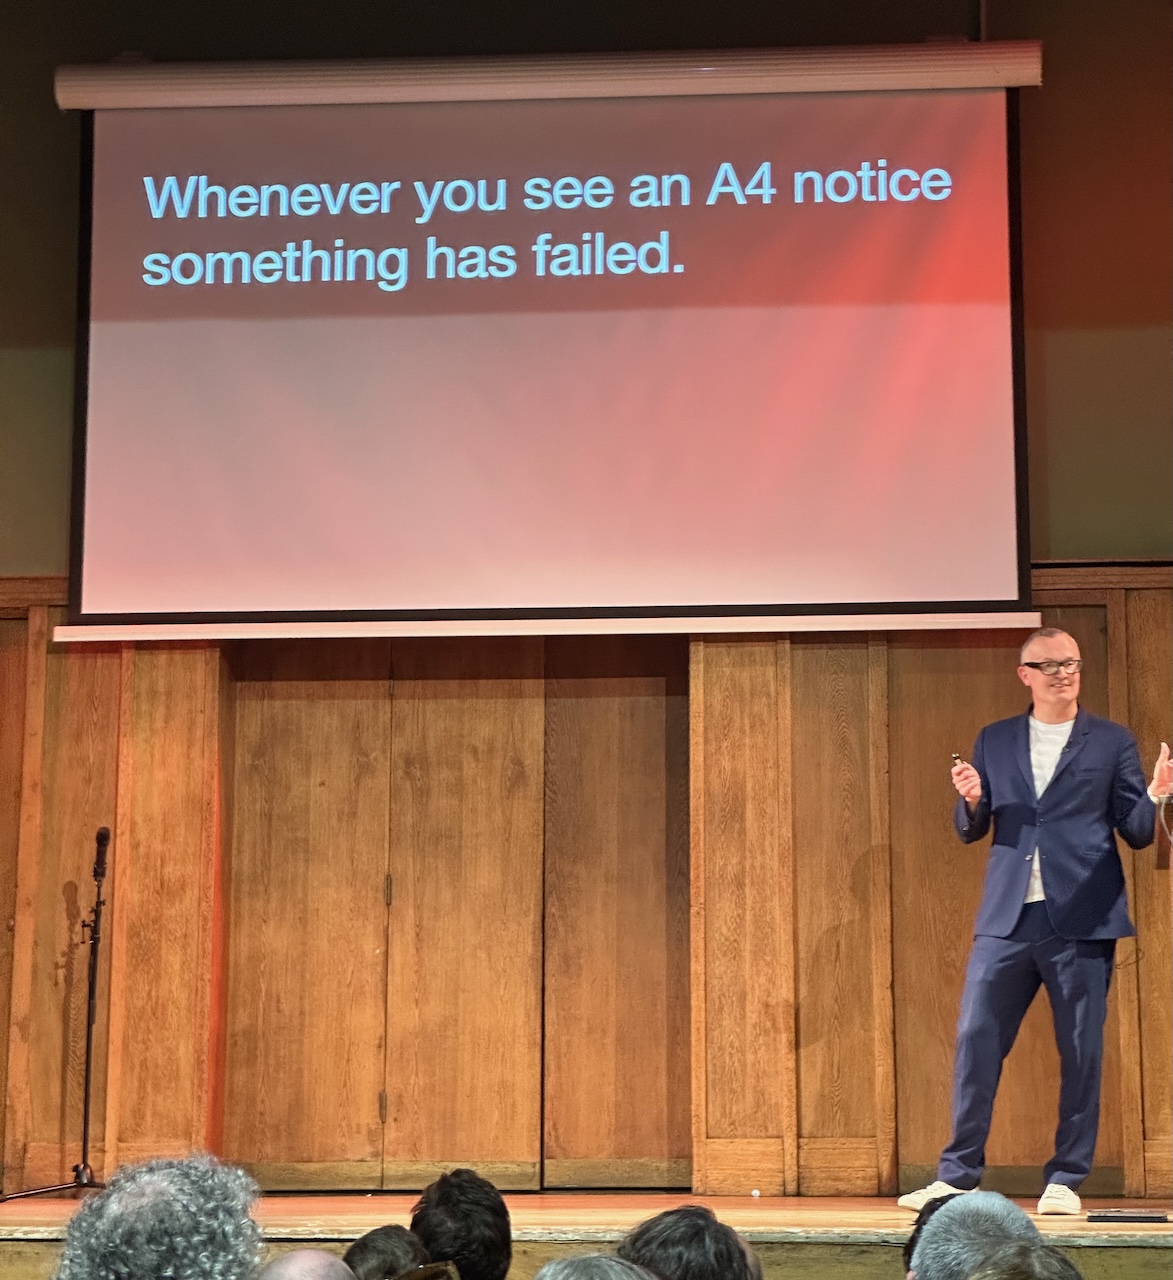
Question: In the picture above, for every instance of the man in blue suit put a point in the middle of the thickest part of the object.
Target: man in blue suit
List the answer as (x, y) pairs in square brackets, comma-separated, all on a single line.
[(1056, 783)]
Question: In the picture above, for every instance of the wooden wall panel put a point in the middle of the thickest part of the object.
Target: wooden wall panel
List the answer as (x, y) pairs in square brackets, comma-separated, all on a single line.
[(308, 920), (68, 791), (13, 666), (465, 948), (842, 916), (742, 944), (616, 936), (162, 982), (832, 890), (936, 890), (1150, 685), (880, 836), (942, 689), (1120, 1090)]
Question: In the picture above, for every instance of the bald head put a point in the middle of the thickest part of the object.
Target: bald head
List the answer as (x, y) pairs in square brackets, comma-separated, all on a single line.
[(306, 1264), (1031, 646)]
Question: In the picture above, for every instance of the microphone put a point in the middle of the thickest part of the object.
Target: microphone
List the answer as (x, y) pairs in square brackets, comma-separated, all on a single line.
[(100, 862)]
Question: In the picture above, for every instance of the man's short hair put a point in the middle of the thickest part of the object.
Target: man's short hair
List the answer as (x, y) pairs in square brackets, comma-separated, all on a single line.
[(305, 1264), (593, 1266), (385, 1252), (1042, 633), (687, 1244), (185, 1219), (462, 1218), (1027, 1262), (962, 1235)]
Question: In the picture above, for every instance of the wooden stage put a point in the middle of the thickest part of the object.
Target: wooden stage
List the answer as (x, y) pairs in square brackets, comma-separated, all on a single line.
[(810, 1236)]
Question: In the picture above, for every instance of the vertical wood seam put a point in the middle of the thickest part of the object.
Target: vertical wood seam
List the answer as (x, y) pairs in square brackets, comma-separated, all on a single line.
[(120, 897), (785, 862), (696, 909), (1127, 973), (32, 766), (388, 862), (881, 916), (205, 978)]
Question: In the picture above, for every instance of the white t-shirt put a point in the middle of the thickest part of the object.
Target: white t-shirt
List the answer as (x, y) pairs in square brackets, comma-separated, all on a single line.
[(1046, 746)]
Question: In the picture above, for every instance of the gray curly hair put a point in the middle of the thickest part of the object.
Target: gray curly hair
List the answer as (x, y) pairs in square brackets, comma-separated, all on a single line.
[(963, 1233), (166, 1220), (593, 1266)]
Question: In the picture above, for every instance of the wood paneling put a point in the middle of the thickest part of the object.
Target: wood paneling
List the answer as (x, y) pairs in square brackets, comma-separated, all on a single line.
[(616, 913), (829, 1165), (742, 886), (68, 791), (162, 976), (936, 889), (1104, 693), (942, 689), (13, 667), (19, 595), (832, 889), (883, 1012), (465, 948), (307, 970), (1150, 700), (830, 904), (1086, 579)]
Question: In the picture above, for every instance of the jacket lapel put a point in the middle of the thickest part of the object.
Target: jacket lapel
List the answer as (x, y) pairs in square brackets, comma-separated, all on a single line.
[(1075, 744), (1022, 751)]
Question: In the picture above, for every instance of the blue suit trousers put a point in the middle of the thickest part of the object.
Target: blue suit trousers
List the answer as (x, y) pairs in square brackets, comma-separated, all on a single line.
[(1003, 977)]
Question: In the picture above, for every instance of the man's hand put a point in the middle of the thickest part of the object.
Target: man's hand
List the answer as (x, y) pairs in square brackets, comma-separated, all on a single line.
[(968, 782), (1162, 783)]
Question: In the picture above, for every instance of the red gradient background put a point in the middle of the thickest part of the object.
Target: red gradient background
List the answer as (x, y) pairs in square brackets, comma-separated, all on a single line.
[(816, 411)]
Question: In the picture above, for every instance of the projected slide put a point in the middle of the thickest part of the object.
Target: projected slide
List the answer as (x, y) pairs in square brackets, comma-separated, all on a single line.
[(691, 355)]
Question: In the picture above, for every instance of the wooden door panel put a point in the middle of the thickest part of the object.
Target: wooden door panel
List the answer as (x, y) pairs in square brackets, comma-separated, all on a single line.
[(616, 988), (464, 958), (307, 969)]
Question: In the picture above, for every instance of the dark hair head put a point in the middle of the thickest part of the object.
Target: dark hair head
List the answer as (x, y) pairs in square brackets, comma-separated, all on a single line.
[(384, 1253), (687, 1244), (752, 1261), (1024, 1261), (928, 1209), (187, 1219), (462, 1218)]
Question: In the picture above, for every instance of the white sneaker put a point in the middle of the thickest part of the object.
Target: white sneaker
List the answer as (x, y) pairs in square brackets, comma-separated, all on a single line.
[(916, 1200), (1059, 1199)]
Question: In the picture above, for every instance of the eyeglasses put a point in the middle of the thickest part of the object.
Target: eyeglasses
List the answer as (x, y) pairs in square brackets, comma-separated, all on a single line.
[(1052, 666)]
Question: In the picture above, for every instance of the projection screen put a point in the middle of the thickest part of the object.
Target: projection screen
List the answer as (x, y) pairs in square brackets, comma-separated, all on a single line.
[(716, 354)]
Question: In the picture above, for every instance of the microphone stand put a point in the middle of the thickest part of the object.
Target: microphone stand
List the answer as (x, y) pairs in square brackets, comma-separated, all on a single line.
[(83, 1174)]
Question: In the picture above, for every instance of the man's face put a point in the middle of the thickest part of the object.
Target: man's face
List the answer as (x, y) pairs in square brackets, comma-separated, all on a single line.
[(1055, 694)]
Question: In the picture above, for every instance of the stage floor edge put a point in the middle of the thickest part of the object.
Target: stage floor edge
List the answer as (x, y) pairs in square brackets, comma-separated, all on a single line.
[(600, 1219)]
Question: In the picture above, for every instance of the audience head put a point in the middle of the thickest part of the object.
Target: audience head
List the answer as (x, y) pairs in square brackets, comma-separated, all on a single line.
[(184, 1219), (752, 1261), (593, 1266), (1027, 1262), (385, 1252), (930, 1207), (462, 1218), (306, 1264), (962, 1234), (687, 1244)]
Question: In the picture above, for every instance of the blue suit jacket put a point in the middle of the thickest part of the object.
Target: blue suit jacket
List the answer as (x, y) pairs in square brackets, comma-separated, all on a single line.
[(1098, 785)]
